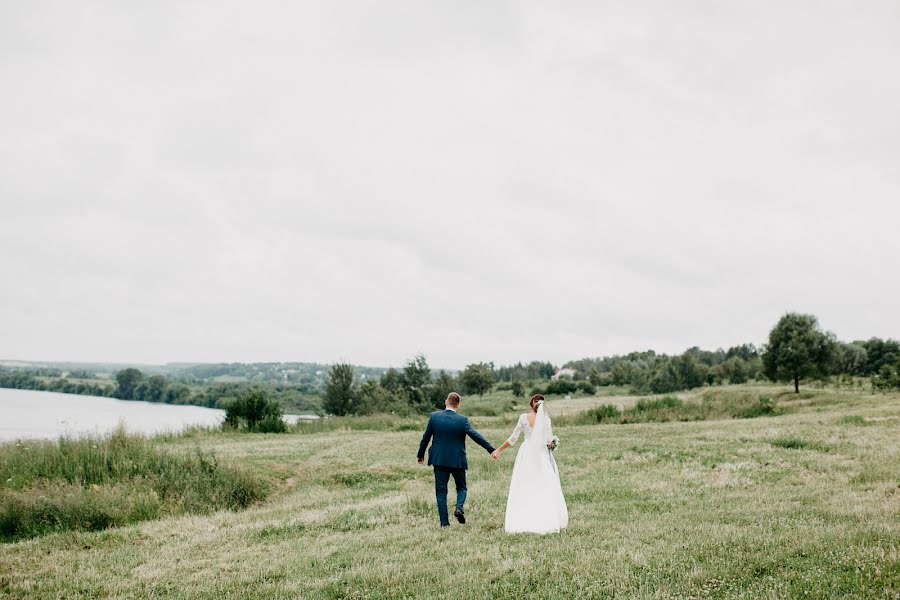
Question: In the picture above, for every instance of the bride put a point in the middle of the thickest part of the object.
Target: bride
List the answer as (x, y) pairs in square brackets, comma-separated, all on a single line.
[(536, 503)]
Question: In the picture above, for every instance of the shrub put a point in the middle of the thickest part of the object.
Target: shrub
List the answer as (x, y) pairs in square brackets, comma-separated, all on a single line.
[(651, 404), (251, 410), (561, 386), (713, 405), (587, 387), (606, 413), (272, 424), (762, 407), (93, 483)]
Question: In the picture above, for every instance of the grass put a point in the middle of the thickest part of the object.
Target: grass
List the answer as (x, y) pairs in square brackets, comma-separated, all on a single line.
[(98, 482), (676, 509), (794, 443), (717, 404), (381, 422)]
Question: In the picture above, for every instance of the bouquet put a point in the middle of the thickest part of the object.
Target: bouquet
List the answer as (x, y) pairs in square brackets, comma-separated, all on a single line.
[(553, 444)]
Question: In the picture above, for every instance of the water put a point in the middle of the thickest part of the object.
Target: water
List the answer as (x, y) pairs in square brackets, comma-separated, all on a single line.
[(31, 414)]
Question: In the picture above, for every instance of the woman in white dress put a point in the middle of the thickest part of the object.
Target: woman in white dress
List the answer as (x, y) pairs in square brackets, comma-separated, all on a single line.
[(535, 503)]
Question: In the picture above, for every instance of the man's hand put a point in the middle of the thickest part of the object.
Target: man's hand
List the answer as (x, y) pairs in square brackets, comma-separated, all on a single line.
[(495, 454), (421, 461)]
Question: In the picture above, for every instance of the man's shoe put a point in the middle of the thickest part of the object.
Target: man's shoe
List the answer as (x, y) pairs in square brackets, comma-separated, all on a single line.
[(460, 515), (445, 527)]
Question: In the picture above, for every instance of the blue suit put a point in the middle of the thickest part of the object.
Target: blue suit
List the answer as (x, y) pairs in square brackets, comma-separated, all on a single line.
[(448, 455)]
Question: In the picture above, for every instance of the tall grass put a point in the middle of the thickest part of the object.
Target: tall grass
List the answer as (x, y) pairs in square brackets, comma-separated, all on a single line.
[(712, 405), (96, 482)]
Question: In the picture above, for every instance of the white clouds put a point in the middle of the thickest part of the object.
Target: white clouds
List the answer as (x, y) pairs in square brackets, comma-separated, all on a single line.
[(477, 182)]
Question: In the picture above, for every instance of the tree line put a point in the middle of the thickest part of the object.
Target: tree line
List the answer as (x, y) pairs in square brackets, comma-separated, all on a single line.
[(50, 380), (797, 349)]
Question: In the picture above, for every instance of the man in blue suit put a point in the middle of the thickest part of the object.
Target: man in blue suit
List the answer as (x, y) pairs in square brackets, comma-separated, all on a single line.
[(448, 454)]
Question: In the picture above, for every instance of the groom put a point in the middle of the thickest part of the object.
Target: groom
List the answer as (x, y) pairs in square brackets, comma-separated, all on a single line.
[(448, 454)]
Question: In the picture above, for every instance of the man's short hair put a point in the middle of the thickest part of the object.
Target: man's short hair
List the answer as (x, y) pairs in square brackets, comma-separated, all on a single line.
[(453, 399)]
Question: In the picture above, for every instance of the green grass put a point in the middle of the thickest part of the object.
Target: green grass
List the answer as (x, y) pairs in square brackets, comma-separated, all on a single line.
[(706, 509), (98, 482), (719, 404)]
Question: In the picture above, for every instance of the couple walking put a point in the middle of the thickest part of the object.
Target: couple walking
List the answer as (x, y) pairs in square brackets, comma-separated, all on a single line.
[(535, 503)]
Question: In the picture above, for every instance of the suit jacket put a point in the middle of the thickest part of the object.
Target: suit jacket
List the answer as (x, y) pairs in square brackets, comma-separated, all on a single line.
[(449, 431)]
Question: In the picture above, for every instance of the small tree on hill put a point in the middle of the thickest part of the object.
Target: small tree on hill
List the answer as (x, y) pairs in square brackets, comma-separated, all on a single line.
[(339, 393), (798, 349), (477, 379), (416, 382)]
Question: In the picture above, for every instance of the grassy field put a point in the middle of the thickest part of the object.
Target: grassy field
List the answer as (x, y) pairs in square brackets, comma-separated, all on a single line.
[(805, 504)]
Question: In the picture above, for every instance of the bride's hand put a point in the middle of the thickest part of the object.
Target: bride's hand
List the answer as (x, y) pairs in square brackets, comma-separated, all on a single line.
[(495, 454)]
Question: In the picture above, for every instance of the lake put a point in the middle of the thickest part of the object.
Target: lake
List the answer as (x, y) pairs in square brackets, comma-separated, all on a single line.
[(32, 414)]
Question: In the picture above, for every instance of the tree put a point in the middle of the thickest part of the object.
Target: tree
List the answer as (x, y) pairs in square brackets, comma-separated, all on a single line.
[(849, 359), (880, 353), (372, 398), (518, 389), (477, 378), (746, 352), (441, 387), (735, 369), (416, 381), (178, 394), (127, 381), (156, 388), (392, 380), (339, 393), (691, 372), (257, 411), (798, 349)]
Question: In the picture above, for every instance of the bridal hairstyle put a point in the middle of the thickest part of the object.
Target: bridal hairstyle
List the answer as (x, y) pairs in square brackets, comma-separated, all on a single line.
[(534, 401)]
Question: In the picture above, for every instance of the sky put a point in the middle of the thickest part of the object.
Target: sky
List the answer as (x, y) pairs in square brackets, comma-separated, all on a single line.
[(475, 181)]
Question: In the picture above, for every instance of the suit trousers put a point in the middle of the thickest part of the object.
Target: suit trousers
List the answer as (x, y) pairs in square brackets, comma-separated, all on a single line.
[(441, 478)]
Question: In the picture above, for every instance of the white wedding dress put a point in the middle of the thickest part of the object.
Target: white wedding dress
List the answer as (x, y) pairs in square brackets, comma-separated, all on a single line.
[(535, 503)]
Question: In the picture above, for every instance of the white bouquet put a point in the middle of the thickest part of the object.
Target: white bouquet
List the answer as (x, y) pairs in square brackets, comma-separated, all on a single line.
[(553, 444)]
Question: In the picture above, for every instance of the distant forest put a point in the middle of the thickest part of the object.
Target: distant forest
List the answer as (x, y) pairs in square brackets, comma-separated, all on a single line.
[(797, 350)]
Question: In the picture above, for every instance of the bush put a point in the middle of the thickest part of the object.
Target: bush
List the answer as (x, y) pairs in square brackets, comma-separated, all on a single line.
[(251, 410), (606, 413), (561, 386), (713, 405), (587, 387), (651, 404), (93, 483), (272, 424), (764, 406)]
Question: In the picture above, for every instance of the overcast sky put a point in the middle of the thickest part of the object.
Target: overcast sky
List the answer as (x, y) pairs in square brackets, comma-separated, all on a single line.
[(284, 181)]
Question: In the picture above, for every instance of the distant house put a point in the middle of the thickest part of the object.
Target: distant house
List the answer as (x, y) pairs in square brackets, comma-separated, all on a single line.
[(568, 373)]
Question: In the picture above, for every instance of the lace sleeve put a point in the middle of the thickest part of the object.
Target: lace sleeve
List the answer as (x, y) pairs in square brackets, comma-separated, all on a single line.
[(516, 433)]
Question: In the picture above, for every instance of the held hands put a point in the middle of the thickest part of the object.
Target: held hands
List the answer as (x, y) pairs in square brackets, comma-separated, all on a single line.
[(496, 454)]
